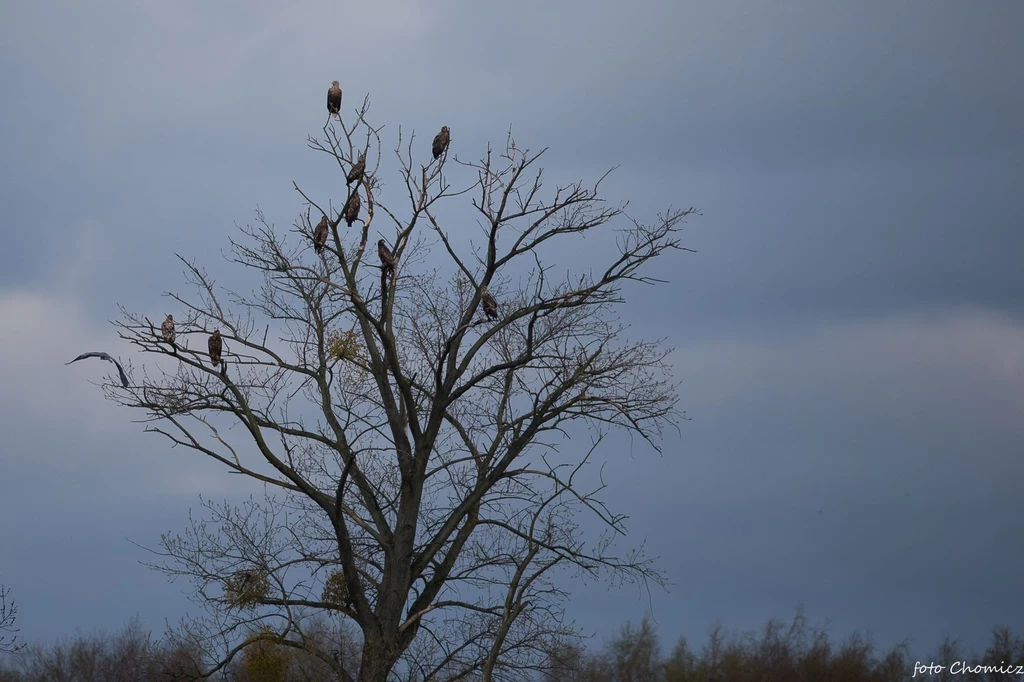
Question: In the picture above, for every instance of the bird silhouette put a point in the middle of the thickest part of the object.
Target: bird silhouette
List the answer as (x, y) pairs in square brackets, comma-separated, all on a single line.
[(167, 330), (441, 141), (334, 99), (104, 356)]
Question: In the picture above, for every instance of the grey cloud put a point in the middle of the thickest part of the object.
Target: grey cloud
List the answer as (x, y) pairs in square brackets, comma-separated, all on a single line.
[(905, 432), (81, 483), (859, 169)]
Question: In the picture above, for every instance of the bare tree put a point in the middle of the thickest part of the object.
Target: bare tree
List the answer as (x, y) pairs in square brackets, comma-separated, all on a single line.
[(8, 615), (410, 445)]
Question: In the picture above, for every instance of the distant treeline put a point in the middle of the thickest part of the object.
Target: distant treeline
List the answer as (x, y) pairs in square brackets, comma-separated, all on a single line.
[(779, 652)]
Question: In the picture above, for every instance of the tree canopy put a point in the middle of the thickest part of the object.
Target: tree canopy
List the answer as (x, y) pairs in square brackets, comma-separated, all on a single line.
[(409, 411)]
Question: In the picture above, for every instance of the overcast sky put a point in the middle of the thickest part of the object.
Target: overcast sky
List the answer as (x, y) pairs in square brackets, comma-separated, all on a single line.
[(848, 337)]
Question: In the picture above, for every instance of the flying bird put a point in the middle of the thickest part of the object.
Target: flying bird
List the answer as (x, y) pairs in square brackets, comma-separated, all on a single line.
[(216, 345), (356, 174), (490, 305), (352, 208), (441, 141), (387, 259), (167, 330), (104, 356), (320, 234), (334, 99)]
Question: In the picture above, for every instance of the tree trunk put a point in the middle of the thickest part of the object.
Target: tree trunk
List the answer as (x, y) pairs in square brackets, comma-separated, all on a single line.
[(376, 664)]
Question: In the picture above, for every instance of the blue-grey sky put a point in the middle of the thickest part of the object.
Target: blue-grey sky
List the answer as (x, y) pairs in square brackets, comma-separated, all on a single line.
[(849, 336)]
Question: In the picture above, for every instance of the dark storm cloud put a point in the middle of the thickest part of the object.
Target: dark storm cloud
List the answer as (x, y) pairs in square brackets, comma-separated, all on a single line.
[(873, 149), (847, 333), (903, 432)]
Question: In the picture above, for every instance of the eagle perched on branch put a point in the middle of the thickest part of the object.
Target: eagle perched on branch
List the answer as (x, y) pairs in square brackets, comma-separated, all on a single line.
[(320, 234), (167, 330), (490, 305), (216, 345), (356, 174), (441, 141), (387, 259), (334, 99), (351, 211)]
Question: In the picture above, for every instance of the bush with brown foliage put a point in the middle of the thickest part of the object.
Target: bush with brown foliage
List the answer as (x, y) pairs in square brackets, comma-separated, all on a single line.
[(265, 661), (779, 652)]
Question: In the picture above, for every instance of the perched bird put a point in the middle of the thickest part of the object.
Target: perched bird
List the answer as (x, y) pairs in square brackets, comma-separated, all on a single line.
[(490, 305), (167, 330), (387, 259), (334, 99), (441, 141), (216, 345), (351, 211), (320, 234), (356, 174), (104, 356)]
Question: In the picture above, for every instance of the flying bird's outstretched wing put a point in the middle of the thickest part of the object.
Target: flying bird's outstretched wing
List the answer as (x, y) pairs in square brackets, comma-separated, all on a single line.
[(104, 356)]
